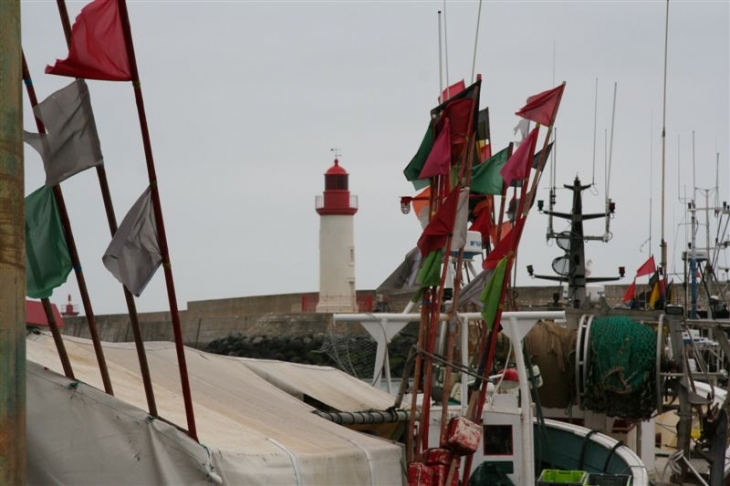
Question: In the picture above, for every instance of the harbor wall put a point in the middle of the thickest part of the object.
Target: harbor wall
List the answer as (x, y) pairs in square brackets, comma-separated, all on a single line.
[(269, 315)]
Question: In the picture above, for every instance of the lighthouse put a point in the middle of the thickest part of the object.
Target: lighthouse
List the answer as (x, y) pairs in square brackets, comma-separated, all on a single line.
[(336, 209)]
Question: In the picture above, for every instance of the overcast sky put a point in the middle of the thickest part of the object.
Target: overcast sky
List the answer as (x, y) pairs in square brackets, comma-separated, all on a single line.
[(245, 100)]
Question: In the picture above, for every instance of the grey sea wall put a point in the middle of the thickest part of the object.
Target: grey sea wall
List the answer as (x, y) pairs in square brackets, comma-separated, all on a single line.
[(269, 315)]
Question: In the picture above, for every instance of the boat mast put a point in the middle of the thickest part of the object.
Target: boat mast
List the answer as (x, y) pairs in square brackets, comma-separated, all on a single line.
[(664, 141), (12, 251)]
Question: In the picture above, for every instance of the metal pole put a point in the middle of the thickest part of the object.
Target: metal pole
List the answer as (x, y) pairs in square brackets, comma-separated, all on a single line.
[(664, 141), (12, 251)]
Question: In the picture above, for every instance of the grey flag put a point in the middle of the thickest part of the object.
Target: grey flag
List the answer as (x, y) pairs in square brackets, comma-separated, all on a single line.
[(71, 143), (134, 253), (460, 222)]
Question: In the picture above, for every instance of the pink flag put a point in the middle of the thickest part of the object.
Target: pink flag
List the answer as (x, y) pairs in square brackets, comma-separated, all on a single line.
[(647, 268), (542, 107), (519, 163), (439, 160), (506, 247), (452, 91), (97, 47), (440, 226)]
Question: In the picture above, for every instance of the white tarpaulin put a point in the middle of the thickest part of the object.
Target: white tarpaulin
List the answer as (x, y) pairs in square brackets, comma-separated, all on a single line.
[(250, 431)]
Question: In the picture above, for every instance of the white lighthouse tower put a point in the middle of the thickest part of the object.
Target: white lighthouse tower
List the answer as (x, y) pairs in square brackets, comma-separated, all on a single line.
[(336, 208)]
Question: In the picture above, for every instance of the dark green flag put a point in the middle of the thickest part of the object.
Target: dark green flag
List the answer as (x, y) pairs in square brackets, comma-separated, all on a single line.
[(47, 259), (415, 166), (430, 273), (485, 177), (491, 296)]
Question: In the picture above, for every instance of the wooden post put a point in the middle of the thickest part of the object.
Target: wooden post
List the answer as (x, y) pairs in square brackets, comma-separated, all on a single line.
[(12, 251)]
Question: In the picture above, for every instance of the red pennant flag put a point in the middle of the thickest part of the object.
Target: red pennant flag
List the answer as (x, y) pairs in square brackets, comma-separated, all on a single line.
[(440, 226), (97, 45), (506, 247), (630, 292), (439, 160), (519, 163), (452, 91), (542, 107), (647, 268)]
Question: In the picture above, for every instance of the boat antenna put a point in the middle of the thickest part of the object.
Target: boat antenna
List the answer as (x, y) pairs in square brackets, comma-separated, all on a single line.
[(441, 66), (664, 138), (476, 40), (595, 127), (694, 169), (607, 234), (446, 52), (651, 177)]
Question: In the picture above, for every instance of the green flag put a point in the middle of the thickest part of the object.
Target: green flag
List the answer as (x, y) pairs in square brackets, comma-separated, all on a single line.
[(414, 167), (485, 177), (430, 273), (47, 259), (491, 296)]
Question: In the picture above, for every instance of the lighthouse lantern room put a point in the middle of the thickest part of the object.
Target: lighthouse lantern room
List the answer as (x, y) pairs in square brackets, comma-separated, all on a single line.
[(336, 208)]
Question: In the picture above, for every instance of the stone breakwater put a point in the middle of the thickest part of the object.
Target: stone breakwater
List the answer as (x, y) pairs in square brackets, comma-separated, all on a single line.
[(352, 354)]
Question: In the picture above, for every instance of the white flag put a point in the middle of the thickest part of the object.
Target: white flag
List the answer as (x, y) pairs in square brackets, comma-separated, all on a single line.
[(71, 143), (523, 127), (462, 215), (134, 255)]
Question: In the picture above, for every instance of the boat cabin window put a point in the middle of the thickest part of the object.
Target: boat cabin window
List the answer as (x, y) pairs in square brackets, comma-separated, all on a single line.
[(498, 440)]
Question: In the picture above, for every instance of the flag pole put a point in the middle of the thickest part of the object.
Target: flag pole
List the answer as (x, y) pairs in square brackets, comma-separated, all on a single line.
[(157, 206), (12, 243), (112, 221), (73, 252)]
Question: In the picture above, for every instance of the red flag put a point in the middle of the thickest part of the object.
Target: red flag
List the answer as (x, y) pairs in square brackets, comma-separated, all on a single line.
[(439, 160), (506, 247), (485, 152), (647, 268), (440, 226), (97, 45), (519, 163), (542, 107), (452, 91), (459, 113), (630, 292)]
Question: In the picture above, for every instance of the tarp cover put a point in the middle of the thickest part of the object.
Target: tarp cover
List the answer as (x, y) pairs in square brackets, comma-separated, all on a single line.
[(250, 431)]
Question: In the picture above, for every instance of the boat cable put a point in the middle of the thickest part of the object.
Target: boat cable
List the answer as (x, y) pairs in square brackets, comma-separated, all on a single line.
[(586, 440), (611, 453)]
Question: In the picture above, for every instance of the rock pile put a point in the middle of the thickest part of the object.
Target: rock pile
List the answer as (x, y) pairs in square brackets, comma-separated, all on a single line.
[(316, 350)]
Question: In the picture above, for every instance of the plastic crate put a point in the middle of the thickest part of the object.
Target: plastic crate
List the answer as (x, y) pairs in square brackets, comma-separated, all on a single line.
[(609, 479), (557, 477)]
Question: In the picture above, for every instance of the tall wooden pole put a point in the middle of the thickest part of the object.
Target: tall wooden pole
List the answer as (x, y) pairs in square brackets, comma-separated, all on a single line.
[(112, 221), (75, 260), (12, 251), (157, 206), (47, 308)]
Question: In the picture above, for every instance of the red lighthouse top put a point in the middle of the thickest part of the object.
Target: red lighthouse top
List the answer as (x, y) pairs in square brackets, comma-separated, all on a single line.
[(336, 198)]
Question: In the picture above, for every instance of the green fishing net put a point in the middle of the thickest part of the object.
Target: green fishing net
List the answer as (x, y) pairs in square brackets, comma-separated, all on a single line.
[(621, 379)]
